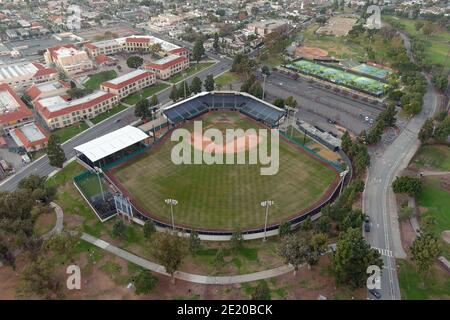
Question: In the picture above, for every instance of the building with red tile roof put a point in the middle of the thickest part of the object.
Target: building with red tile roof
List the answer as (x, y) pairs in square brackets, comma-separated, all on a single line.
[(69, 59), (13, 111), (24, 74), (129, 83), (168, 66), (30, 136), (48, 89), (60, 112)]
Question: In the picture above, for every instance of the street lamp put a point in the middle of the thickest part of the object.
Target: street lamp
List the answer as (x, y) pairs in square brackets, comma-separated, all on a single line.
[(266, 204), (264, 85), (171, 203), (98, 171), (342, 175)]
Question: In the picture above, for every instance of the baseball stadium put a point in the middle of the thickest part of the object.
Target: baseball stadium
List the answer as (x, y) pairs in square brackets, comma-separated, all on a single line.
[(221, 198)]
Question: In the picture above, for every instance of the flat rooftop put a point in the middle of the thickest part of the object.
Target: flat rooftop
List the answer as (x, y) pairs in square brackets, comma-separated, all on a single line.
[(58, 103), (127, 76), (165, 45), (7, 102), (49, 86), (17, 70)]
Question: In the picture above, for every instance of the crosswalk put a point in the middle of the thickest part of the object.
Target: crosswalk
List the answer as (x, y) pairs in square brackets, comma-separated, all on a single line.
[(384, 252)]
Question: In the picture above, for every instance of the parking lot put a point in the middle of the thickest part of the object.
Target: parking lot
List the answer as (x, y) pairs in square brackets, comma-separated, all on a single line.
[(321, 106)]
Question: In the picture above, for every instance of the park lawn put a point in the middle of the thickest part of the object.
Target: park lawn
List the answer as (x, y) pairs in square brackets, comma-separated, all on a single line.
[(224, 196), (226, 78), (109, 113), (69, 132), (436, 48), (95, 80), (437, 202), (147, 92), (194, 68), (433, 157), (415, 286)]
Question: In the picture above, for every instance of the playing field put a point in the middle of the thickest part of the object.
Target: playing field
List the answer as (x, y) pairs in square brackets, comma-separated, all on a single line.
[(223, 196)]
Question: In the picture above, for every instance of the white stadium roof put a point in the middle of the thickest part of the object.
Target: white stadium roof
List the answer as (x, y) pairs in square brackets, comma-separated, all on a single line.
[(112, 142)]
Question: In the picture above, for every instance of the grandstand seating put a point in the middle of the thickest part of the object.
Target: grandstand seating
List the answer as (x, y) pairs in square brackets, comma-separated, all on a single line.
[(193, 107)]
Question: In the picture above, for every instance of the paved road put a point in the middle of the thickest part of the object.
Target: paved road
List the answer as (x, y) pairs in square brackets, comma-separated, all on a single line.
[(379, 200), (41, 166)]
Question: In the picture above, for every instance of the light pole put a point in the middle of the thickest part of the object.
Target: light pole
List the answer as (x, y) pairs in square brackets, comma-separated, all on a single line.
[(171, 203), (266, 204), (98, 171), (264, 85), (342, 175)]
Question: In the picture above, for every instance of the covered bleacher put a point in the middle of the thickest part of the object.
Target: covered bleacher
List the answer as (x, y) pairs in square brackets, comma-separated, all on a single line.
[(231, 100)]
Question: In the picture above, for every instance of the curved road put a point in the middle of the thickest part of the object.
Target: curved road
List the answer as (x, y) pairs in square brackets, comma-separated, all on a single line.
[(42, 167), (379, 200)]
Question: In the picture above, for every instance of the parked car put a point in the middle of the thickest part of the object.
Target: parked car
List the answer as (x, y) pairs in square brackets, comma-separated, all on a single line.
[(367, 224), (375, 293)]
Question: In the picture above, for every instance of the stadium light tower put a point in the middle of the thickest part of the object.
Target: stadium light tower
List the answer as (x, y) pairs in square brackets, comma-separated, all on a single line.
[(342, 175), (98, 171), (266, 204), (171, 203)]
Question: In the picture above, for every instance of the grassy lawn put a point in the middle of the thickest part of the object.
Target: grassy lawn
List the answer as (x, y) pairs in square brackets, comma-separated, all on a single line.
[(414, 286), (95, 80), (147, 92), (437, 43), (298, 136), (66, 133), (437, 201), (226, 78), (433, 157), (107, 114), (225, 196), (194, 68)]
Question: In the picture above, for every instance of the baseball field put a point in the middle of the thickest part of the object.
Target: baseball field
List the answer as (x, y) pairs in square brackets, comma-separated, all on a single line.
[(224, 196)]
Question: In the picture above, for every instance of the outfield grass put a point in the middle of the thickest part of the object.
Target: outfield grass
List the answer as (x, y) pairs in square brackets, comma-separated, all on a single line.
[(66, 133), (225, 196), (194, 68), (107, 114), (95, 80), (433, 157), (147, 92), (415, 286)]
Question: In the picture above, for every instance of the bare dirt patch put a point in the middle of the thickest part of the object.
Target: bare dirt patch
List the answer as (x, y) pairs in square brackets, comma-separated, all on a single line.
[(310, 52), (337, 26)]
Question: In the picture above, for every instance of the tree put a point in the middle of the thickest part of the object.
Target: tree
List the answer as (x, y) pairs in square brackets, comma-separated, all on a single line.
[(424, 250), (63, 245), (209, 83), (346, 143), (440, 81), (7, 256), (154, 101), (352, 257), (118, 229), (261, 292), (196, 85), (219, 258), (443, 129), (323, 225), (194, 242), (236, 240), (169, 250), (174, 93), (284, 229), (37, 280), (256, 90), (307, 224), (279, 102), (149, 228), (410, 185), (183, 90), (418, 25), (216, 45), (144, 282), (134, 62), (428, 28), (142, 109), (291, 102), (55, 153), (317, 247), (294, 250), (198, 51), (353, 219), (426, 132), (265, 70)]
